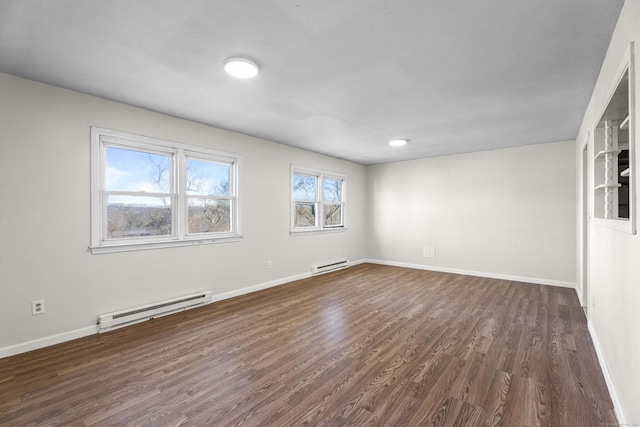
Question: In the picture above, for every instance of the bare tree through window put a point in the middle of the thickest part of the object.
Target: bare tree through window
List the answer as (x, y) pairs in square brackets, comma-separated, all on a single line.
[(304, 192), (209, 193), (317, 201), (151, 193), (139, 193)]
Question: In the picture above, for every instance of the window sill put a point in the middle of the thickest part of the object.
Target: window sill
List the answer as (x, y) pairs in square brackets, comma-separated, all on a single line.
[(142, 246), (623, 225), (317, 231)]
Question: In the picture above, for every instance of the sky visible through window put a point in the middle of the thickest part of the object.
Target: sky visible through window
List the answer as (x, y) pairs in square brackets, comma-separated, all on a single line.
[(304, 187), (138, 171), (307, 200)]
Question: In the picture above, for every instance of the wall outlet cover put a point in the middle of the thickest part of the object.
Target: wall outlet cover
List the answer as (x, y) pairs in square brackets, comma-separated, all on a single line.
[(429, 251), (37, 307)]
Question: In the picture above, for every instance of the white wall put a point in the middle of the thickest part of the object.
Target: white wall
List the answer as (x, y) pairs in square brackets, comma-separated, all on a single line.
[(614, 267), (504, 213), (44, 220)]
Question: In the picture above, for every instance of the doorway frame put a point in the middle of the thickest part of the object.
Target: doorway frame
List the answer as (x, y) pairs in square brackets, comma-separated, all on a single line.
[(585, 221)]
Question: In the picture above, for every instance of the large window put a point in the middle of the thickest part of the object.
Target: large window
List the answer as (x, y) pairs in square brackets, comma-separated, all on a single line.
[(149, 193), (317, 200)]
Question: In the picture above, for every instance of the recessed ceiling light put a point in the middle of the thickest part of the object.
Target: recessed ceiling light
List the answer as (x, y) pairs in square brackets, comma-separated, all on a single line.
[(398, 142), (242, 68)]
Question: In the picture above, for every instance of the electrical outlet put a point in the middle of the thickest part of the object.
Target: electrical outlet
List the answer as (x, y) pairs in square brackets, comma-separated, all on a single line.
[(429, 251), (269, 265), (37, 307)]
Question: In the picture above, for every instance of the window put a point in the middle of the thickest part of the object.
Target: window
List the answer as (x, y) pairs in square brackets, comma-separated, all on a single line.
[(148, 193), (317, 200)]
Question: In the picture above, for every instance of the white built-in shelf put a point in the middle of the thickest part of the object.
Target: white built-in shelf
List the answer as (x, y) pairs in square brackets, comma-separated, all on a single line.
[(624, 124), (604, 152), (625, 172), (607, 186)]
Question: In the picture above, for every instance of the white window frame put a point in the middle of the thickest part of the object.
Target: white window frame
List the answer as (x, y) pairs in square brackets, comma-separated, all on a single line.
[(101, 138), (320, 175)]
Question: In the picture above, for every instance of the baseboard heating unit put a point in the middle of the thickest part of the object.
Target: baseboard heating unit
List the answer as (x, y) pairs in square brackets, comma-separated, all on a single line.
[(331, 266), (122, 318)]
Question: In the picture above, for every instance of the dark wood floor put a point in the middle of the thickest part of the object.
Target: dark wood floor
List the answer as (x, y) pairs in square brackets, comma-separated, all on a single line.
[(370, 345)]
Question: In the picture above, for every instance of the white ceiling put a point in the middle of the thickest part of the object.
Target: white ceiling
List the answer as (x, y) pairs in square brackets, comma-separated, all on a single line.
[(339, 77)]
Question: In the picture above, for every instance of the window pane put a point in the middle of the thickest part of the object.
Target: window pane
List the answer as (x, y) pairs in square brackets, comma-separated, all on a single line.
[(138, 216), (304, 187), (332, 214), (332, 190), (209, 215), (206, 178), (305, 215), (129, 170)]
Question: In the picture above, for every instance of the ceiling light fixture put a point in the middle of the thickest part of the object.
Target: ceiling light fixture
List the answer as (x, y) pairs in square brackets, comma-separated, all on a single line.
[(398, 142), (242, 68)]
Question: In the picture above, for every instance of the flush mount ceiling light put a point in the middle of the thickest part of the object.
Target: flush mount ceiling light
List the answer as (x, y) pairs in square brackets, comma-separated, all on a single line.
[(398, 142), (242, 68)]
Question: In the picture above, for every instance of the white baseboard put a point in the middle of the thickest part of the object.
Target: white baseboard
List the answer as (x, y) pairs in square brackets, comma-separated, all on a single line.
[(89, 330), (617, 406), (535, 280), (24, 347), (259, 287), (271, 284), (12, 350)]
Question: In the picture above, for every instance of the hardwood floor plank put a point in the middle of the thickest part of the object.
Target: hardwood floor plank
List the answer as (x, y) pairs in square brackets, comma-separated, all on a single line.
[(468, 416), (369, 345), (495, 403)]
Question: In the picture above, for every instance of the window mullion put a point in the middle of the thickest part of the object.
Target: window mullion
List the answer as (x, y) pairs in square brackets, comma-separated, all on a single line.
[(179, 183), (198, 196), (137, 193), (104, 197), (103, 223), (319, 204)]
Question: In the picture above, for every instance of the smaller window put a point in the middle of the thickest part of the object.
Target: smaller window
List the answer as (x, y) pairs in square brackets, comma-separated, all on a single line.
[(317, 200)]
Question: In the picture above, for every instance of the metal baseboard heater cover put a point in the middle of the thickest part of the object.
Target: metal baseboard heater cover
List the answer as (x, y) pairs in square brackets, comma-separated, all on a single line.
[(119, 319), (330, 266)]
